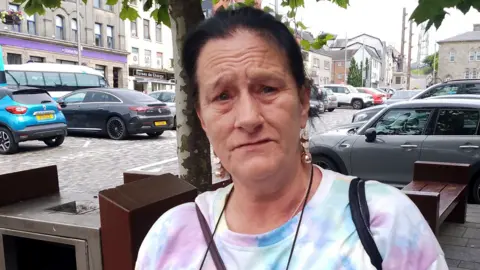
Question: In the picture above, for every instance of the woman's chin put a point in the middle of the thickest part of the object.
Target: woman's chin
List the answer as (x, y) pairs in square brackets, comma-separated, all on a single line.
[(257, 167)]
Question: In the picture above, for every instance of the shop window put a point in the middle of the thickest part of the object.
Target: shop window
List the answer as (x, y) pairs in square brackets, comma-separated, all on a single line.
[(13, 58), (74, 29), (59, 30), (98, 34), (37, 59)]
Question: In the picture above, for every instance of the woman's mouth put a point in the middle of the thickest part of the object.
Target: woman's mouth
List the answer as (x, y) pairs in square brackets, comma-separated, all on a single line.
[(253, 144)]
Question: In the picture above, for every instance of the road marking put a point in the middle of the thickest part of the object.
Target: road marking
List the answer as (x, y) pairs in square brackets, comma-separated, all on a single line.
[(153, 164), (156, 169), (87, 143)]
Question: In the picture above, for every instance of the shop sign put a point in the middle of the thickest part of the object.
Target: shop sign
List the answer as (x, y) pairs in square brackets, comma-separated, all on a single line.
[(69, 51), (149, 74)]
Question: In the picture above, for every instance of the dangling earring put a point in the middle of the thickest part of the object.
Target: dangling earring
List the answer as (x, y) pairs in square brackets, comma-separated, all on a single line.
[(220, 172), (306, 156)]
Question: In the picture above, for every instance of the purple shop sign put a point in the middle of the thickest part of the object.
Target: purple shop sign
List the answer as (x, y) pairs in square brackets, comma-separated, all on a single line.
[(35, 45)]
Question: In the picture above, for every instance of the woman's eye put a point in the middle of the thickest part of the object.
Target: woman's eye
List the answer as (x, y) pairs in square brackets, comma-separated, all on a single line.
[(223, 96), (268, 89)]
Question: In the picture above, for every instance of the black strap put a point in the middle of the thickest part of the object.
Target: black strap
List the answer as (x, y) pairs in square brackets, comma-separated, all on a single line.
[(217, 259), (361, 219)]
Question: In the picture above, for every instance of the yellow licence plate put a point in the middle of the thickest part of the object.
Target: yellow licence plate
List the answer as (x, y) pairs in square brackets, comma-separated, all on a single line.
[(160, 123), (44, 116)]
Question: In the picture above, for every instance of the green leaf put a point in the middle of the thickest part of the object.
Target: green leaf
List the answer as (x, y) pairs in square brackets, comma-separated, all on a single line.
[(128, 13), (162, 15), (464, 6), (32, 7), (250, 3), (112, 2), (301, 25), (341, 3), (291, 14), (161, 2), (147, 6), (268, 9), (305, 44)]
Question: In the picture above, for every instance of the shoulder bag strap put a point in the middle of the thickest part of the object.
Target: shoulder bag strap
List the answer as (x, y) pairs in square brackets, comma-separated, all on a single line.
[(207, 234), (361, 219)]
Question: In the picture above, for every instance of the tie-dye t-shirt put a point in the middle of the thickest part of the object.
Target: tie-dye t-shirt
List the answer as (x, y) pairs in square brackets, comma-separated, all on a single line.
[(327, 238)]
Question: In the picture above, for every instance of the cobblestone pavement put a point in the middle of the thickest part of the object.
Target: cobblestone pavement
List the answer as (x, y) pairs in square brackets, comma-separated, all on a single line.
[(90, 164)]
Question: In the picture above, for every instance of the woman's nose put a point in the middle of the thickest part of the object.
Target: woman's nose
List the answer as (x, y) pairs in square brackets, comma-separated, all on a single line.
[(248, 116)]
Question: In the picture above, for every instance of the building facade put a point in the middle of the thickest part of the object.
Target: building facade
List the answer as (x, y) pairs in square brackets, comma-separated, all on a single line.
[(318, 65), (52, 38), (340, 67), (151, 53), (459, 56)]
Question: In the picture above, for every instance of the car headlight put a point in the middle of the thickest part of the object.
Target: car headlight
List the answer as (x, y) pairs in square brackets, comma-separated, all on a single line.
[(359, 117)]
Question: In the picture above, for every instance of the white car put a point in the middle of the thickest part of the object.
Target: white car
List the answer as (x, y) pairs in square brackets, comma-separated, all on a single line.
[(168, 97), (348, 95)]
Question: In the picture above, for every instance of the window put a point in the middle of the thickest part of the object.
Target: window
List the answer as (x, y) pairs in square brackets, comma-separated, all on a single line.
[(470, 88), (13, 58), (87, 79), (452, 56), (403, 122), (101, 69), (159, 60), (110, 98), (398, 80), (467, 73), (68, 79), (478, 55), (110, 43), (133, 28), (158, 33), (96, 3), (171, 62), (107, 7), (74, 30), (472, 56), (14, 77), (326, 64), (449, 89), (167, 97), (305, 56), (148, 56), (474, 73), (98, 34), (316, 62), (59, 27), (66, 62), (457, 122), (16, 28), (35, 78), (37, 59), (146, 29), (75, 98), (52, 79), (339, 64), (31, 27), (339, 75)]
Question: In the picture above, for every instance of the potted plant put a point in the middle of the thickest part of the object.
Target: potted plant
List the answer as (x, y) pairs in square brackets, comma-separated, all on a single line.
[(11, 17)]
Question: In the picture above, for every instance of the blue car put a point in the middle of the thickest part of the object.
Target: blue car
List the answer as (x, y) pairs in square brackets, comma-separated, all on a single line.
[(26, 114)]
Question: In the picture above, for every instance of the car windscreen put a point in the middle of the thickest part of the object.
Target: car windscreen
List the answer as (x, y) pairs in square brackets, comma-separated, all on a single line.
[(406, 94), (32, 96), (352, 89), (135, 96)]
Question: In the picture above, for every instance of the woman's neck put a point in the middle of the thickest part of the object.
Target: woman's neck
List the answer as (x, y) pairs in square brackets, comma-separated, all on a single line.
[(258, 210)]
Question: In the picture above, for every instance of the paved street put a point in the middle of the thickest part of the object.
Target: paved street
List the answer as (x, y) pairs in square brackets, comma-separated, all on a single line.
[(90, 164)]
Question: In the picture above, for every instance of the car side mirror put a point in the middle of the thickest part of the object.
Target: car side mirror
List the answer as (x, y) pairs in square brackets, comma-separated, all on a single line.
[(347, 92), (62, 103), (370, 135)]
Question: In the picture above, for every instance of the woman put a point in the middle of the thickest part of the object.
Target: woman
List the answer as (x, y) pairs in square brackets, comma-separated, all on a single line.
[(280, 212)]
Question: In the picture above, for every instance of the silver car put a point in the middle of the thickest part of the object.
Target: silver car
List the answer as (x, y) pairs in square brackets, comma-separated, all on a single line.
[(167, 97), (386, 147)]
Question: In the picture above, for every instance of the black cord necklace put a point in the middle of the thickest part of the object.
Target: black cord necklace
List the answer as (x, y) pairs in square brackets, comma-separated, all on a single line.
[(296, 231)]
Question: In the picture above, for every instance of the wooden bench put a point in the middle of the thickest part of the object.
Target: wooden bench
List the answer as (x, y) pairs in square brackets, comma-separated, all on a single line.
[(439, 190)]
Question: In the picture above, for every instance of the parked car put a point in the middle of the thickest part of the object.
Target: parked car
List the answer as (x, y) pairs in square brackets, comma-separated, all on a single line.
[(329, 98), (115, 112), (460, 96), (387, 146), (389, 90), (26, 114), (317, 104), (348, 95), (378, 96), (167, 97), (402, 95), (366, 114)]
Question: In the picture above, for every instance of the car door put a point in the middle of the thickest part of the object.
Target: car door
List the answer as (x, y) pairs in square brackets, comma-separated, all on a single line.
[(454, 138), (390, 158), (92, 111), (70, 105), (343, 95)]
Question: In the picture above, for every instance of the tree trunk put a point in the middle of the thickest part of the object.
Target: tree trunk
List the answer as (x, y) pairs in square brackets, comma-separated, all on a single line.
[(193, 148)]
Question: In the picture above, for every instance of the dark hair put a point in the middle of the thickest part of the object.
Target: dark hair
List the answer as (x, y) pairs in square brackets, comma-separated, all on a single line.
[(224, 23)]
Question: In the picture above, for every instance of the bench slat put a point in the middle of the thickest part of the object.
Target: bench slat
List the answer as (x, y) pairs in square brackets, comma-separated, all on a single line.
[(448, 196), (414, 186), (433, 187)]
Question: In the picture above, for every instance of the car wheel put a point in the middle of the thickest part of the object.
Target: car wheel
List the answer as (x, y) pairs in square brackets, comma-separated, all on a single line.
[(55, 141), (475, 192), (154, 134), (325, 163), (116, 128), (357, 104), (331, 110), (7, 143)]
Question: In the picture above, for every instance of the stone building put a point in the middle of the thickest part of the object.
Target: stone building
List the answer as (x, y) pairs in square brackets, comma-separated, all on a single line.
[(52, 38), (459, 56)]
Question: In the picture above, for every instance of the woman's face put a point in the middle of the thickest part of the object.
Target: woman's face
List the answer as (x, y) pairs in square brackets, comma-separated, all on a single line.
[(249, 105)]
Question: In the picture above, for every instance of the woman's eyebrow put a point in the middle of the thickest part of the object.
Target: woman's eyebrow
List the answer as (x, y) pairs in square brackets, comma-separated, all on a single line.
[(262, 73)]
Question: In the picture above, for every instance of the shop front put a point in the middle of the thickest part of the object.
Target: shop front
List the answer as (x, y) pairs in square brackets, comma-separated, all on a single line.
[(148, 80), (113, 63)]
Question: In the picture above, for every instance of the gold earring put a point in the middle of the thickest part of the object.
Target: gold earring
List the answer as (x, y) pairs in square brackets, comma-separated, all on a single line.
[(220, 172), (306, 156)]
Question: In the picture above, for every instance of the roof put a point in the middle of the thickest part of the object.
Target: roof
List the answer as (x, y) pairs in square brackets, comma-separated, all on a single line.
[(340, 55), (49, 67), (468, 36), (13, 88), (338, 43), (372, 53)]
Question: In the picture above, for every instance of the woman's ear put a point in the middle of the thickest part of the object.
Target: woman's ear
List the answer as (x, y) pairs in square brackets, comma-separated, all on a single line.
[(199, 115)]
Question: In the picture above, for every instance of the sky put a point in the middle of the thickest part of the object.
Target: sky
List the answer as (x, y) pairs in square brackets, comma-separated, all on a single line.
[(380, 18)]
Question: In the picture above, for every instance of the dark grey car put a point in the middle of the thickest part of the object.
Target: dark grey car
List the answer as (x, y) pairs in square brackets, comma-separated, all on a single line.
[(386, 147), (115, 112)]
